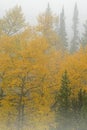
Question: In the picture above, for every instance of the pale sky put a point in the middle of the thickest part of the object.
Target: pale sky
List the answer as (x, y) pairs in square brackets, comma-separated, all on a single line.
[(31, 8)]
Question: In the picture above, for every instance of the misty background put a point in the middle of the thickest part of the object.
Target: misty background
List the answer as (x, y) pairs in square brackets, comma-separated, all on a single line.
[(43, 71), (32, 8)]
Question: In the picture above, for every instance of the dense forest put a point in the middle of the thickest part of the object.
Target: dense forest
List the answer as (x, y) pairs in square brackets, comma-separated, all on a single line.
[(43, 77)]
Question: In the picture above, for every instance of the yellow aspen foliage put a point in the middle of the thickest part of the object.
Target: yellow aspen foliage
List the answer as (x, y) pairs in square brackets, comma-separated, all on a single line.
[(76, 66), (30, 75), (25, 79)]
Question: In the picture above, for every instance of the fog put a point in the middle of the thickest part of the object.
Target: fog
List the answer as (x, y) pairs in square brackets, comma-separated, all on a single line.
[(43, 71), (32, 8)]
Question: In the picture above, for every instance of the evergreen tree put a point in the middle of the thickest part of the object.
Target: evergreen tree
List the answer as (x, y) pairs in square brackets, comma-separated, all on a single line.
[(2, 95), (62, 104), (84, 38), (47, 27), (62, 30), (82, 98), (79, 110), (75, 39), (45, 22)]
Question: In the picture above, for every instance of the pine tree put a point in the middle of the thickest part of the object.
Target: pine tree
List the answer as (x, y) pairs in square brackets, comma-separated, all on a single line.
[(62, 31), (75, 39), (62, 103), (64, 92), (45, 22), (84, 38), (79, 110), (2, 95), (82, 109), (47, 27)]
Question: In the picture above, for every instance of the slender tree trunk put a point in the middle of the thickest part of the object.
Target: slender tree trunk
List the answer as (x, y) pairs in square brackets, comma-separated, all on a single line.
[(21, 110)]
